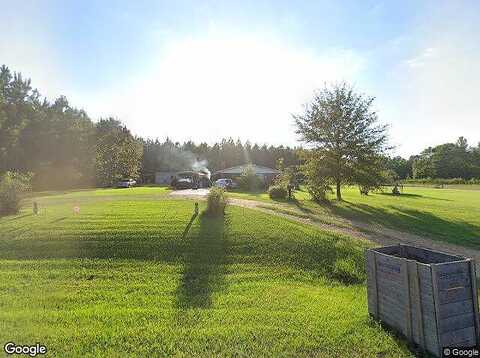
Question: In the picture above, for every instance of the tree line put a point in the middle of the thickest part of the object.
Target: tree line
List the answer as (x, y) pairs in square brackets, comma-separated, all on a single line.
[(444, 161), (64, 148), (173, 156)]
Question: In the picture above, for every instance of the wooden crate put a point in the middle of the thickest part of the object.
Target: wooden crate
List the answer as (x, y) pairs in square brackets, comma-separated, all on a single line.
[(428, 296)]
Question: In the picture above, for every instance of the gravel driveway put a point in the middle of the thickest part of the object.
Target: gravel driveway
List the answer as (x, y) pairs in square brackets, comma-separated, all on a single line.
[(185, 193), (379, 235)]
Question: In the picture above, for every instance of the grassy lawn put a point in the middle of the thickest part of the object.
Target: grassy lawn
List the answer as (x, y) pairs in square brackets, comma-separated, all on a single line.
[(133, 274), (259, 196), (451, 215)]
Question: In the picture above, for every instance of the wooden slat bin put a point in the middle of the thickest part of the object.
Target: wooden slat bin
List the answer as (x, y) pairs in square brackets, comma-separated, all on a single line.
[(428, 296)]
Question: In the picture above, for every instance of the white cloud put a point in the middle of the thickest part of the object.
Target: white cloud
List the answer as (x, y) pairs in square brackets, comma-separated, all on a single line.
[(421, 59), (218, 86)]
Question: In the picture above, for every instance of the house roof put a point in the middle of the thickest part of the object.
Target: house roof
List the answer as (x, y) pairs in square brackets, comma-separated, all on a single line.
[(239, 169)]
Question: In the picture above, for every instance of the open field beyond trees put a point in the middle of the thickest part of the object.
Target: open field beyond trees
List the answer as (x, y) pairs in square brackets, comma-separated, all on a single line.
[(132, 273)]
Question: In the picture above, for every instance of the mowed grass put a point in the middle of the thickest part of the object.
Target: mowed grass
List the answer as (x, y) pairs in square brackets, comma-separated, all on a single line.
[(451, 215), (142, 276)]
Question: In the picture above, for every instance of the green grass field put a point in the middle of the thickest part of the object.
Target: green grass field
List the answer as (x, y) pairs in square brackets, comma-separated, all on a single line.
[(135, 274), (451, 215)]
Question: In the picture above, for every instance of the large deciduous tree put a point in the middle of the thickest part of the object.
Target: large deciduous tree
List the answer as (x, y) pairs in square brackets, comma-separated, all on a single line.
[(342, 130), (118, 153)]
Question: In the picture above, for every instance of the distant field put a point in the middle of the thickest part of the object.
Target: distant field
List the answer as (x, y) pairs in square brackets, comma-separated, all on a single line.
[(447, 186), (451, 215), (132, 274)]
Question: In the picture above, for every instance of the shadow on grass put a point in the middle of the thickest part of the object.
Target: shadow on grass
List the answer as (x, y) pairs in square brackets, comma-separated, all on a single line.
[(207, 248), (204, 264), (58, 220), (14, 217), (410, 220), (189, 225), (300, 205), (413, 196)]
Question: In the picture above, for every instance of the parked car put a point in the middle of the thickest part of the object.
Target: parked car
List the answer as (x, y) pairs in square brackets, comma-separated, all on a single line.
[(183, 183), (126, 183), (225, 183)]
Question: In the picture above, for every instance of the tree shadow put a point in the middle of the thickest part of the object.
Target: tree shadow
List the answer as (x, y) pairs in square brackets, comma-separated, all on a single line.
[(204, 264), (189, 225), (203, 247), (414, 196), (15, 217), (300, 205), (58, 220), (410, 220)]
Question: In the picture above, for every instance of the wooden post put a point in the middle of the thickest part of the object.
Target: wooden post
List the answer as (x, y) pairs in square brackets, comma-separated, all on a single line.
[(372, 283), (420, 327), (436, 303), (473, 279), (408, 301)]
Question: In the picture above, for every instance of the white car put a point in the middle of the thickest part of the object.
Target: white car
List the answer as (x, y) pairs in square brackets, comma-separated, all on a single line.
[(225, 183), (126, 183)]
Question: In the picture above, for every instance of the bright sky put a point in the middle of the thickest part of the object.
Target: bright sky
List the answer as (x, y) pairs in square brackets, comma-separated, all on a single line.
[(203, 70)]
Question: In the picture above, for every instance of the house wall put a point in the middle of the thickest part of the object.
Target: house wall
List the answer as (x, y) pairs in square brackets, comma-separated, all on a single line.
[(164, 178), (266, 178)]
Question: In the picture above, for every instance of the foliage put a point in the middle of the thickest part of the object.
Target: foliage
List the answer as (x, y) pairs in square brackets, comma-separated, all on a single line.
[(316, 175), (223, 154), (449, 160), (12, 187), (342, 128), (400, 166), (441, 181), (216, 201), (390, 177), (372, 176), (286, 177), (277, 192), (57, 142), (249, 181), (423, 165), (118, 153), (51, 139)]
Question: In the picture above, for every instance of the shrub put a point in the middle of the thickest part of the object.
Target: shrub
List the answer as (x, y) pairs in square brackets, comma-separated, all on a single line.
[(216, 201), (441, 181), (249, 181), (364, 190), (318, 191), (316, 177), (286, 177), (12, 188), (277, 192)]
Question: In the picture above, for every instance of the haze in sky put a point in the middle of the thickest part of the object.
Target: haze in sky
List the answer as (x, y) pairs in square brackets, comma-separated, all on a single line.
[(203, 70)]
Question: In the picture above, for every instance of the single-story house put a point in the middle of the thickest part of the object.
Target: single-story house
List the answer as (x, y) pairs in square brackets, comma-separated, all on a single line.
[(200, 177), (266, 174), (164, 178)]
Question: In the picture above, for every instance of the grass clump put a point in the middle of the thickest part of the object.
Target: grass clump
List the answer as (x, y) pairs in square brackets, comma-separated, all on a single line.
[(216, 202)]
